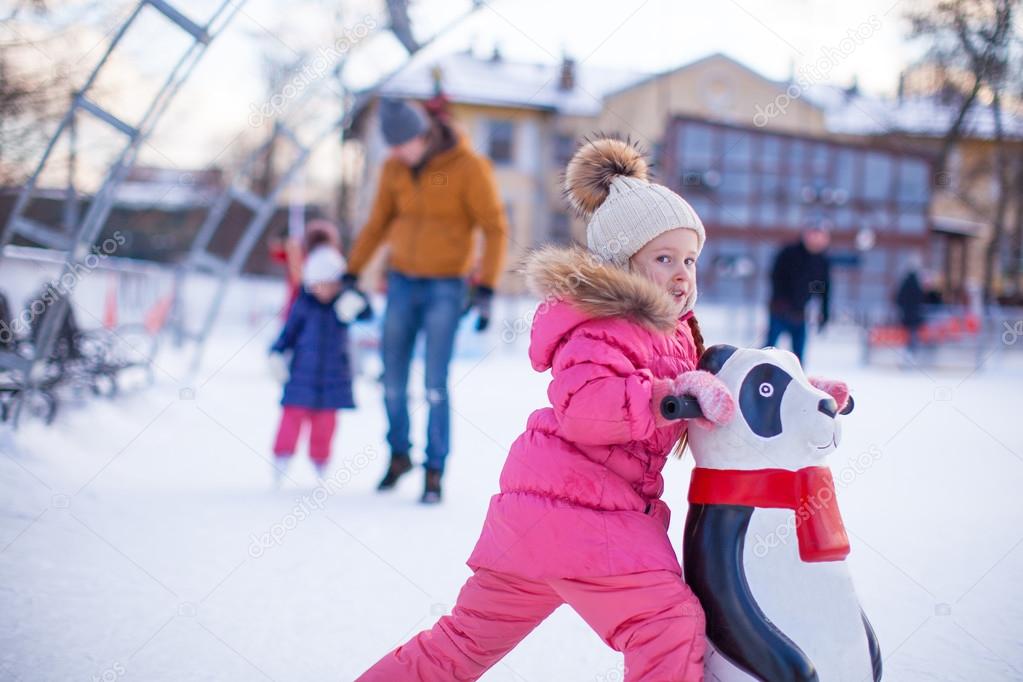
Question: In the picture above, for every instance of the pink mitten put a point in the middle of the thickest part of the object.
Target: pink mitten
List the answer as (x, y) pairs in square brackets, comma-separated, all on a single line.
[(715, 401), (838, 390)]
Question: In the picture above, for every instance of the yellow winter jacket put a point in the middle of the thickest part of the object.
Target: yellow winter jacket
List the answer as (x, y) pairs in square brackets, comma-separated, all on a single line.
[(428, 219)]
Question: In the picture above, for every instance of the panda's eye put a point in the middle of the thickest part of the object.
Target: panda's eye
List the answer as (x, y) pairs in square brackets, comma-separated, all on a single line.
[(766, 390)]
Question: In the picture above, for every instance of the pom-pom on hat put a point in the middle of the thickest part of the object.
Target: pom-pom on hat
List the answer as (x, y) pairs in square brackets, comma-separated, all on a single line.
[(606, 182)]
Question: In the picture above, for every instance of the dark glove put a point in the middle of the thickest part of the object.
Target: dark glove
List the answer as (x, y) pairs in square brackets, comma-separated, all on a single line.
[(481, 298)]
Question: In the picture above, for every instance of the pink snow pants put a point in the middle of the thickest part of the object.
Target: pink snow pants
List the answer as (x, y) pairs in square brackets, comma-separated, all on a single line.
[(321, 432), (652, 617)]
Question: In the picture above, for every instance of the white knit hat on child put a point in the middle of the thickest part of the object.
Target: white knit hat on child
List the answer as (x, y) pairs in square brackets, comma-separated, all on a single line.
[(323, 264), (606, 182)]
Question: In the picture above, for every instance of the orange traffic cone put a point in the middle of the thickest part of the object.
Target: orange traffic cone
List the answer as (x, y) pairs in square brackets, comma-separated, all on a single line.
[(110, 305)]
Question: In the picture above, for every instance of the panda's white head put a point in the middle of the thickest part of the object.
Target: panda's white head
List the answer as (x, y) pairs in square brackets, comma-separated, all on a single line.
[(783, 419)]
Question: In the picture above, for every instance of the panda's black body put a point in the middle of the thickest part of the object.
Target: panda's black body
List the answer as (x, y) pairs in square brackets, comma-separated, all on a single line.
[(712, 555), (745, 624)]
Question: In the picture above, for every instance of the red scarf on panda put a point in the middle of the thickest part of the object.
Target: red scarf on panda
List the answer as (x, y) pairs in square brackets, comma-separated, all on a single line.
[(809, 492)]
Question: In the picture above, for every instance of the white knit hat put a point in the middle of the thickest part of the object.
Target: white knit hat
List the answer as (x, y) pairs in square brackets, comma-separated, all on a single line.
[(323, 264), (606, 181)]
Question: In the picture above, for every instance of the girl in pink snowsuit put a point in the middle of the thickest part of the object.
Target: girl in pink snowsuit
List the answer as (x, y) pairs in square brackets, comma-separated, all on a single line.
[(579, 519)]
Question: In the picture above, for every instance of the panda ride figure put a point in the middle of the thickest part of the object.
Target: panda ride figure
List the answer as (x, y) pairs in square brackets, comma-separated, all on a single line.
[(764, 546)]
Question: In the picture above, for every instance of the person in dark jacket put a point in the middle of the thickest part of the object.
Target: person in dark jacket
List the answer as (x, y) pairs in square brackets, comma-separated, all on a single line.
[(800, 271), (318, 378), (910, 299)]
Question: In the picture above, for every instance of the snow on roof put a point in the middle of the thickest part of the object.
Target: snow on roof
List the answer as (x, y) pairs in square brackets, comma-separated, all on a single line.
[(498, 82), (949, 225), (167, 188), (713, 56), (167, 196), (859, 114)]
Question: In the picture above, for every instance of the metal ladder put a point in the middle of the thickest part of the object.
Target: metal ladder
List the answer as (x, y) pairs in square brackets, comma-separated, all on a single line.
[(200, 259), (77, 237)]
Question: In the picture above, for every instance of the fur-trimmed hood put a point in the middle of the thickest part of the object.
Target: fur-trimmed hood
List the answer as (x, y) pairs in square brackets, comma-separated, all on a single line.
[(599, 289), (581, 488)]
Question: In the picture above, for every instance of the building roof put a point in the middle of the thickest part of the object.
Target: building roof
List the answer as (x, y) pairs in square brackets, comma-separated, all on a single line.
[(854, 113), (168, 188), (497, 82), (714, 56), (957, 226)]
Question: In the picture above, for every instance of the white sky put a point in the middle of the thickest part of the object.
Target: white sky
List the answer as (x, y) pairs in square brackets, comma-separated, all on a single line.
[(644, 35)]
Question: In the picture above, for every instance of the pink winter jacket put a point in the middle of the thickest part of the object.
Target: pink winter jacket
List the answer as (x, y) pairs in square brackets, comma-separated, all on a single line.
[(580, 490)]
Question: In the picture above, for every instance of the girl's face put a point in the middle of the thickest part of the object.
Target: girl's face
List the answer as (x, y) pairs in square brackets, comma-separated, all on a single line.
[(669, 261), (325, 291)]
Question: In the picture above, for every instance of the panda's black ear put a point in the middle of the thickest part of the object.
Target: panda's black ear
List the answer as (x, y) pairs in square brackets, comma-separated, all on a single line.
[(715, 357)]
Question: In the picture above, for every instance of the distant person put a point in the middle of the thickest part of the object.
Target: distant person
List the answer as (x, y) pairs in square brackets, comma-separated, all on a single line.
[(311, 358), (287, 250), (66, 344), (434, 191), (932, 289), (291, 251), (910, 299), (8, 337), (800, 271)]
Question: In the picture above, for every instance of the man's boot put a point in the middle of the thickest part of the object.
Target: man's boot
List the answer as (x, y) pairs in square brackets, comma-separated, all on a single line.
[(431, 491), (401, 464)]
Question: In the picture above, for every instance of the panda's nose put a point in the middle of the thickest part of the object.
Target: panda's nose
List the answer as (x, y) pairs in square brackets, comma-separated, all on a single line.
[(828, 406)]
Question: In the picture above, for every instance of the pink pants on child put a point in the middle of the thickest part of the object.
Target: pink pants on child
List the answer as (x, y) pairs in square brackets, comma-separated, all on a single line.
[(652, 617), (321, 431)]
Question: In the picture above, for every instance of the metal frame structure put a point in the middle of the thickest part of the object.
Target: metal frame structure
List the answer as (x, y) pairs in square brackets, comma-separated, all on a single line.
[(76, 237), (200, 259)]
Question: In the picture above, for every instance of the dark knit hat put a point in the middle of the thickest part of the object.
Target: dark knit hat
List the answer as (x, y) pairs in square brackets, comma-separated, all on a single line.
[(400, 121)]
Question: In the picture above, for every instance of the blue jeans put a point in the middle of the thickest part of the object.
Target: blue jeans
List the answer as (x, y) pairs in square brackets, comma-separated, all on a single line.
[(796, 329), (432, 305)]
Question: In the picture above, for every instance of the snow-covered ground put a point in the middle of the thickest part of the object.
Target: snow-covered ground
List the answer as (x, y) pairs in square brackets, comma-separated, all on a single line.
[(140, 537)]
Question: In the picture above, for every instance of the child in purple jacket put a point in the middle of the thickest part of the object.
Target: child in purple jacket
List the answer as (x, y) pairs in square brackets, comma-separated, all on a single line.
[(311, 357)]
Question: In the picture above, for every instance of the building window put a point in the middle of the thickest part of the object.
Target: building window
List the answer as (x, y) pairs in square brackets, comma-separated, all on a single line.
[(738, 148), (770, 152), (914, 176), (737, 185), (561, 229), (912, 221), (697, 146), (500, 141), (819, 160), (564, 147), (845, 171), (877, 176)]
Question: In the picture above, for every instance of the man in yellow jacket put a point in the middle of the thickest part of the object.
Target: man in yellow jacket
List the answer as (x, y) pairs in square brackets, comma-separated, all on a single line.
[(434, 192)]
